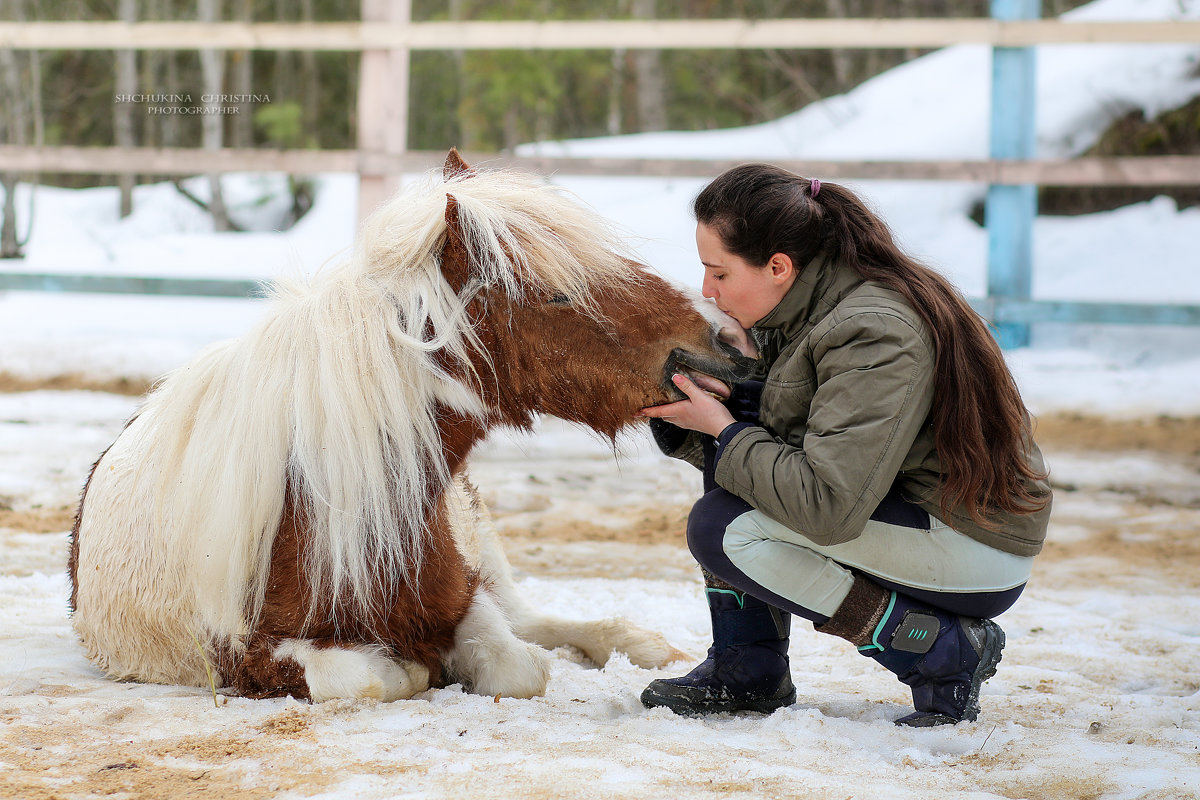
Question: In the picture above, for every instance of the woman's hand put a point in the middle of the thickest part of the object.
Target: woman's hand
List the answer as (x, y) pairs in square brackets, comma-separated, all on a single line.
[(699, 412)]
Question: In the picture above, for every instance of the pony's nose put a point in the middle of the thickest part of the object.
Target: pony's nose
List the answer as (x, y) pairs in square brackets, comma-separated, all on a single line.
[(731, 334), (729, 367), (742, 363)]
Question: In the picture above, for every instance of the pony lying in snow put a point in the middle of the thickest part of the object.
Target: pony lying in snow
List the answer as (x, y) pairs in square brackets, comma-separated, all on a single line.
[(292, 509)]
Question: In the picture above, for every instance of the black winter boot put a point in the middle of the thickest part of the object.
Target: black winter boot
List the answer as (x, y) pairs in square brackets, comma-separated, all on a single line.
[(942, 657), (747, 666)]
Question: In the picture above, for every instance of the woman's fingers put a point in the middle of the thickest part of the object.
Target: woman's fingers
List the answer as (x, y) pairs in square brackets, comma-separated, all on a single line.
[(686, 386), (670, 410), (665, 412), (699, 412)]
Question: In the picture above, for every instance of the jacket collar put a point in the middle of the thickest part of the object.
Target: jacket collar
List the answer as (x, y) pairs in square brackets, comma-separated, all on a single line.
[(820, 285)]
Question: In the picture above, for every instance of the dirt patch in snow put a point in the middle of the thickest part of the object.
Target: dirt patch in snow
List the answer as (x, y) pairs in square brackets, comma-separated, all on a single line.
[(1161, 434), (130, 387), (1139, 546), (644, 525), (197, 766), (38, 520)]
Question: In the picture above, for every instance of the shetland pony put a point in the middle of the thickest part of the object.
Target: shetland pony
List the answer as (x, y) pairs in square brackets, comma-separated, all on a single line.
[(292, 511)]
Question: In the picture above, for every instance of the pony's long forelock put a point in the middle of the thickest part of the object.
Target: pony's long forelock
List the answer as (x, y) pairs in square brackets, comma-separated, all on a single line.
[(333, 396)]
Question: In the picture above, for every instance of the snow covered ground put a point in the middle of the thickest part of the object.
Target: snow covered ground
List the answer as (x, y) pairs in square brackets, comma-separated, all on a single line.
[(1098, 695)]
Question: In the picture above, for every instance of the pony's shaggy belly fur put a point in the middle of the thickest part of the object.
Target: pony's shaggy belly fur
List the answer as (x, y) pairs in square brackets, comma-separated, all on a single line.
[(143, 627)]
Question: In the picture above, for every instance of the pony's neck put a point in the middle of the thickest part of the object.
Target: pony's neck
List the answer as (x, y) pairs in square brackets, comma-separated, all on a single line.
[(460, 433)]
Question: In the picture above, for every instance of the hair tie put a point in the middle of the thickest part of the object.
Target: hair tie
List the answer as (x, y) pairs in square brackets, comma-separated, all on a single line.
[(814, 187)]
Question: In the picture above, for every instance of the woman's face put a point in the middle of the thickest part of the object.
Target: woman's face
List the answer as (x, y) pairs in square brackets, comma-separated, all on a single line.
[(743, 291)]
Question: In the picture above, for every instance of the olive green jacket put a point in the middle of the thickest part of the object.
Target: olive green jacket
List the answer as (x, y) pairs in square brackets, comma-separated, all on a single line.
[(845, 414)]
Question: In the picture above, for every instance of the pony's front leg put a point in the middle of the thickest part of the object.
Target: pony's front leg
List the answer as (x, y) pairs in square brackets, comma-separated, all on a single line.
[(479, 540), (599, 639), (487, 658), (320, 669)]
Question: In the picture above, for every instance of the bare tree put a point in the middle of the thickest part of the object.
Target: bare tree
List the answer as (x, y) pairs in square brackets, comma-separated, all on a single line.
[(842, 60), (466, 130), (126, 84), (20, 114), (212, 68), (242, 82), (615, 118), (310, 77), (285, 73), (616, 92), (647, 65), (160, 75)]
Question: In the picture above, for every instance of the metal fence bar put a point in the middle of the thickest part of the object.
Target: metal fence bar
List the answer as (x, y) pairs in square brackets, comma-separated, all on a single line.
[(122, 284), (1005, 310), (1011, 209)]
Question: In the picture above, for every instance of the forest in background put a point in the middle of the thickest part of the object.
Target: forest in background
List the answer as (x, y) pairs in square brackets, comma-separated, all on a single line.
[(477, 100)]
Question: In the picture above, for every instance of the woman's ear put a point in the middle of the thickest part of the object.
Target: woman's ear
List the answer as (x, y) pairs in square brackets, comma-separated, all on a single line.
[(782, 269)]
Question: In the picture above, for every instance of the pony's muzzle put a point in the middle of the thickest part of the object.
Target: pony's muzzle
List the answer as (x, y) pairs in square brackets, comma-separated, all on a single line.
[(714, 375)]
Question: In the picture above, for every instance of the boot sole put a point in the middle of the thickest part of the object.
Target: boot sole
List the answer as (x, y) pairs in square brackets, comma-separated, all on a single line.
[(703, 703)]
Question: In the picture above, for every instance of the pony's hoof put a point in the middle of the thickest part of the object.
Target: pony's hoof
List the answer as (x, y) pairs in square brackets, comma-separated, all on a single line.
[(656, 656), (522, 671), (647, 649), (675, 655), (358, 673)]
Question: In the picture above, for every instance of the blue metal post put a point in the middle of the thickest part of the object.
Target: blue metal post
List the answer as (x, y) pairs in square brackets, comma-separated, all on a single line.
[(1010, 210)]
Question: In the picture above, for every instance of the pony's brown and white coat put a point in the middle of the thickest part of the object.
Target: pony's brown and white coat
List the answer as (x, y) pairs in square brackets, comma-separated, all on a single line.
[(325, 422)]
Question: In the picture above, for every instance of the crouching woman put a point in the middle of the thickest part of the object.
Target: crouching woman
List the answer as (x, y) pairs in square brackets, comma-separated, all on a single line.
[(880, 481)]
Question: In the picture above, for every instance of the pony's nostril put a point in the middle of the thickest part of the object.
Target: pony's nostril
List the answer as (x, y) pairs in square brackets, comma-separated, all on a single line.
[(737, 339)]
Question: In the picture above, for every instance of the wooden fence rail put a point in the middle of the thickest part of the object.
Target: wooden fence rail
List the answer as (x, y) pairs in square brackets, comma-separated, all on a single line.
[(1131, 171), (725, 34)]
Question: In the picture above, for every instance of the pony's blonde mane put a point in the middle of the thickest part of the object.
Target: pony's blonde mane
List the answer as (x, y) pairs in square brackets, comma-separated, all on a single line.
[(333, 395)]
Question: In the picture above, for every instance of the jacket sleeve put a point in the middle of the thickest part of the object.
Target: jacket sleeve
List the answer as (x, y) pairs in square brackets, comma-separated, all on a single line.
[(678, 443), (874, 372)]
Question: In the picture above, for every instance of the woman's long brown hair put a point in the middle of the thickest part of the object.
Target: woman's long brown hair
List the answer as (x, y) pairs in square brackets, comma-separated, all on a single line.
[(981, 426)]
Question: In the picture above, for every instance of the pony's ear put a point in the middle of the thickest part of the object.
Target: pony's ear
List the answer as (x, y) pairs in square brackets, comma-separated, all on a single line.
[(456, 257), (455, 166)]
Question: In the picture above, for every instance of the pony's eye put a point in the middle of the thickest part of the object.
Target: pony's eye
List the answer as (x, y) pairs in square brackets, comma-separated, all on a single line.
[(559, 299)]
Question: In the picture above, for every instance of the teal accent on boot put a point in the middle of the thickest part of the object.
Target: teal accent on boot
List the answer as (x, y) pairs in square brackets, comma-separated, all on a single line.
[(866, 649), (739, 596)]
